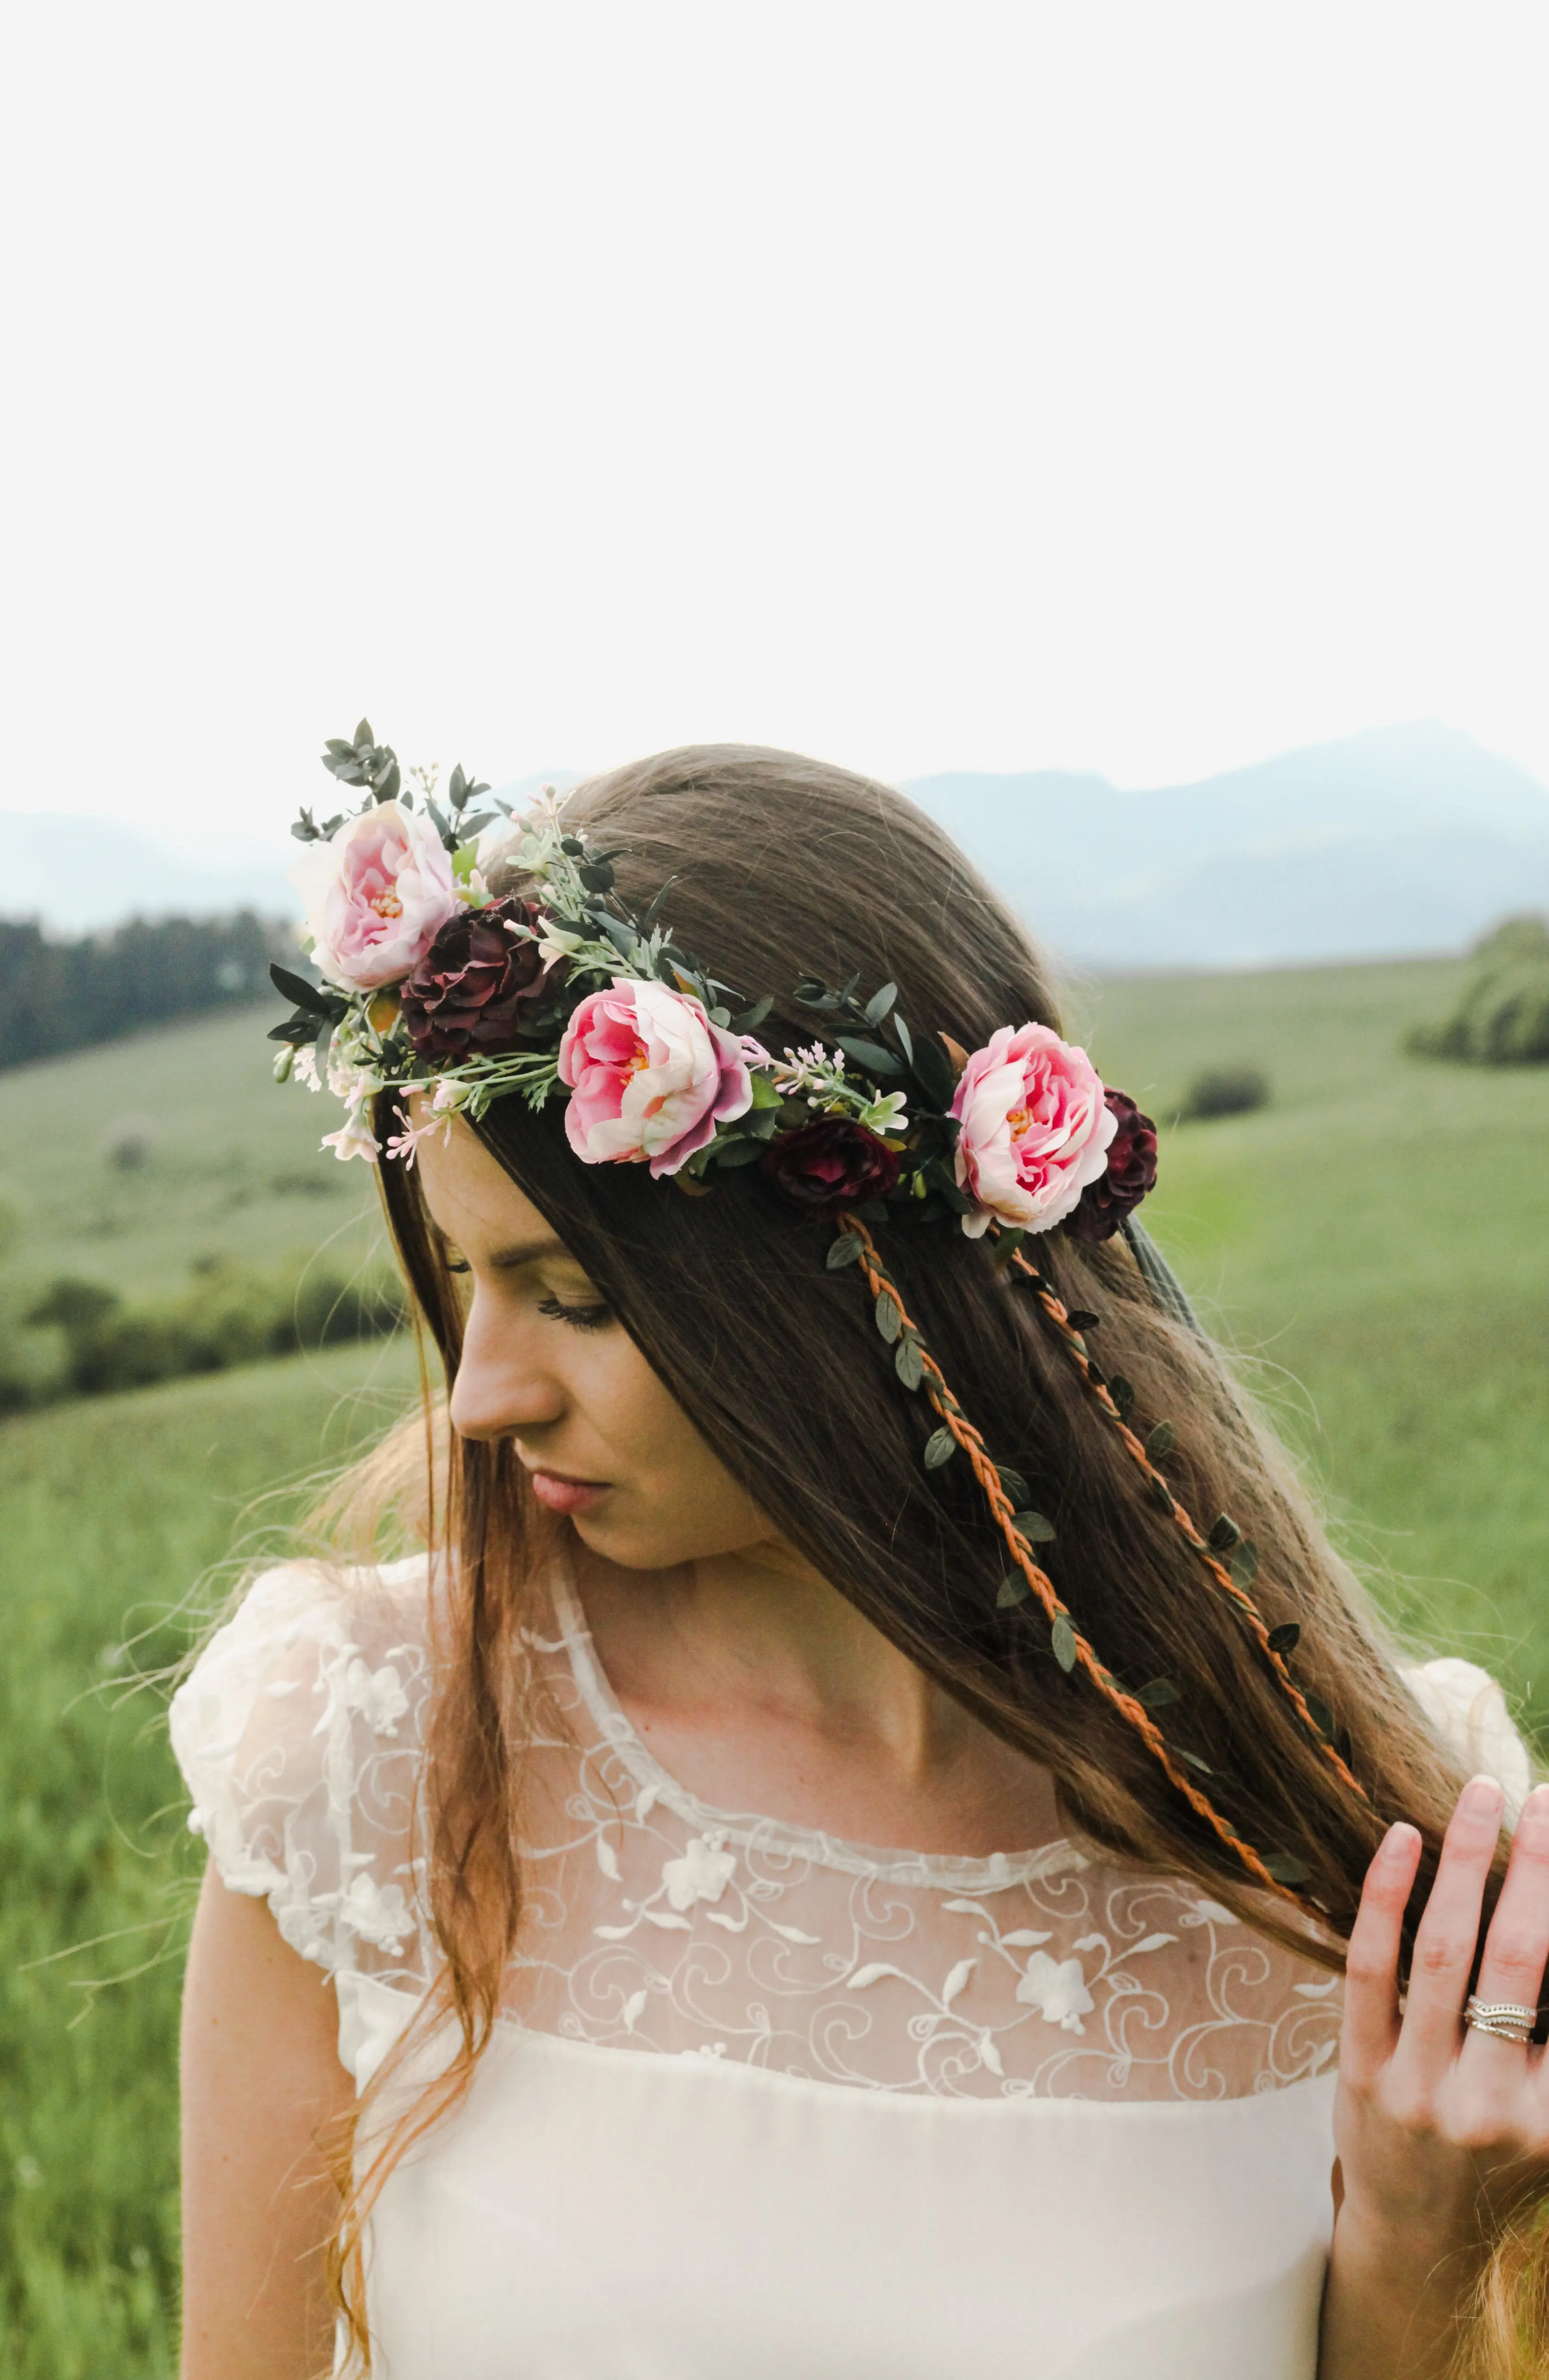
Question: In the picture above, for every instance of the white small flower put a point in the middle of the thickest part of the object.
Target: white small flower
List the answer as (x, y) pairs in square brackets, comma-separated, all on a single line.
[(885, 1116), (353, 1138), (376, 1694), (702, 1874), (305, 1069), (1058, 1991)]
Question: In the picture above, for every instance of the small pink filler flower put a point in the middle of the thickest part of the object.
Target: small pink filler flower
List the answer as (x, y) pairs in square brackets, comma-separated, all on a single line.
[(1035, 1129), (375, 893), (650, 1076)]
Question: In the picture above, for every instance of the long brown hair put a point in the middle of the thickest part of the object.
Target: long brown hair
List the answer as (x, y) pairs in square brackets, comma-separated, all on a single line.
[(785, 868)]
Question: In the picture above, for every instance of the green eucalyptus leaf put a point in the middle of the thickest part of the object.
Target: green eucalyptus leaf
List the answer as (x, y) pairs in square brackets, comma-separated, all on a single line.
[(1223, 1535), (1160, 1443), (869, 1054), (1287, 1869), (1245, 1564), (1123, 1395), (751, 1018), (1013, 1589), (1015, 1485), (1035, 1527), (941, 1447), (1161, 1495), (1062, 1638), (1080, 1318), (1006, 1246), (876, 1007), (303, 995), (845, 1250), (1193, 1760), (1323, 1717), (905, 1040), (933, 1071), (907, 1361), (1160, 1693), (735, 1153), (890, 1321)]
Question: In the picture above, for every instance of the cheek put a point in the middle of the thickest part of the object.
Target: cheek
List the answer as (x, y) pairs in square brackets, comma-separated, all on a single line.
[(682, 1501)]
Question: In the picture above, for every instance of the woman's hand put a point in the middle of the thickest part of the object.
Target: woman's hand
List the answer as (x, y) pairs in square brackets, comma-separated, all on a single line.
[(1440, 2129)]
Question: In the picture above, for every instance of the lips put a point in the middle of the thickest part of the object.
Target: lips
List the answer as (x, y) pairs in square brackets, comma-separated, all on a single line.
[(569, 1496)]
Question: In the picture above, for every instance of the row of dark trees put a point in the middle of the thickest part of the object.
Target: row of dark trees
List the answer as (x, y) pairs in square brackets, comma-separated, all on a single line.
[(67, 995)]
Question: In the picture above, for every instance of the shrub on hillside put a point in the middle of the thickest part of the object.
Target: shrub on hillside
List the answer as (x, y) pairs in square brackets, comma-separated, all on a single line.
[(1224, 1091), (228, 1316), (1502, 1016)]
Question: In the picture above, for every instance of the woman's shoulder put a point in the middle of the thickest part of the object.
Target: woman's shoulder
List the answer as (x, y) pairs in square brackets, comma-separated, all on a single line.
[(298, 1730)]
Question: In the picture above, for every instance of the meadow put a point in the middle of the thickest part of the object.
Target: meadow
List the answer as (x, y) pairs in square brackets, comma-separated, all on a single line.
[(1374, 1243)]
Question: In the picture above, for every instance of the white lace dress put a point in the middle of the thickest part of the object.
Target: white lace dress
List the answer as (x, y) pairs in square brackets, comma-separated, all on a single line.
[(766, 2104)]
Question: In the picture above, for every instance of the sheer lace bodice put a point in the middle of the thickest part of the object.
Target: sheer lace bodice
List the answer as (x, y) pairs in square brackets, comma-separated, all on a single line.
[(656, 1923)]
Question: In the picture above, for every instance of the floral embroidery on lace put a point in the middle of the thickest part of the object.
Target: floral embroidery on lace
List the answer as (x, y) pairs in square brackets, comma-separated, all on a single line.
[(654, 1924)]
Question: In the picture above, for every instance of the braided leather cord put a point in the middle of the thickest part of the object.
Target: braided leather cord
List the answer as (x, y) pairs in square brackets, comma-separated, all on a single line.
[(972, 1445), (1099, 1390)]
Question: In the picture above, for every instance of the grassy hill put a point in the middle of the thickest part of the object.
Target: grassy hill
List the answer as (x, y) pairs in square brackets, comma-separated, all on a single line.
[(1375, 1242)]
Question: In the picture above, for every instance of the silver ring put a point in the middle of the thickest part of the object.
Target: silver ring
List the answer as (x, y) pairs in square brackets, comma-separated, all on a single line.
[(1503, 2019)]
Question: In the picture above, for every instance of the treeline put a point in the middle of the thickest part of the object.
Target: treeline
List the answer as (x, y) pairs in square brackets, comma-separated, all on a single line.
[(69, 995)]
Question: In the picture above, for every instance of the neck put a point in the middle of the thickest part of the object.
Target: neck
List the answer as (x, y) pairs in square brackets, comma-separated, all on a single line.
[(762, 1630)]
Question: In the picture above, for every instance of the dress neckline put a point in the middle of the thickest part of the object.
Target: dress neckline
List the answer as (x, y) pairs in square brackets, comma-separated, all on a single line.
[(943, 1871)]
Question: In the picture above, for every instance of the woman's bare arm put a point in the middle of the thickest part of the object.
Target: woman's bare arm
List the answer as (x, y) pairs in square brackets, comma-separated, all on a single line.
[(261, 2077)]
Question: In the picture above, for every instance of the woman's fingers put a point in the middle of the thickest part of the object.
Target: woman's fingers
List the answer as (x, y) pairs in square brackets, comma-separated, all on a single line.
[(1445, 1945), (1371, 1965), (1517, 1947)]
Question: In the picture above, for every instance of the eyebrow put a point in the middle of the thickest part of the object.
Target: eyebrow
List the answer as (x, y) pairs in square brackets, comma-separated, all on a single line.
[(525, 1252), (520, 1251)]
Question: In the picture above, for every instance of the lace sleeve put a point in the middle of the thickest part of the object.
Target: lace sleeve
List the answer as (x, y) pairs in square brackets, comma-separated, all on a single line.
[(1467, 1709), (298, 1734)]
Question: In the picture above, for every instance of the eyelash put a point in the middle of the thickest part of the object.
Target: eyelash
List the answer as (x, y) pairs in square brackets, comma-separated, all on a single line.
[(580, 1317)]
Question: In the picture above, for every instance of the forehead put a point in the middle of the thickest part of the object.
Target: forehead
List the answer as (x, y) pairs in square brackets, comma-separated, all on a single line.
[(472, 1199)]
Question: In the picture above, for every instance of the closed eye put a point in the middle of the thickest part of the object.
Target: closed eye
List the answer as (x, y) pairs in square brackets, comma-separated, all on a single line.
[(580, 1317)]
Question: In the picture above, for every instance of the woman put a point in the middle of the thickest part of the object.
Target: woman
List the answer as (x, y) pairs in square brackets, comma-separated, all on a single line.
[(791, 1516)]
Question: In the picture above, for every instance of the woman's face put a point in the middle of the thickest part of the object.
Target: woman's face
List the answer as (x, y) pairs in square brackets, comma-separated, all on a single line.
[(546, 1364)]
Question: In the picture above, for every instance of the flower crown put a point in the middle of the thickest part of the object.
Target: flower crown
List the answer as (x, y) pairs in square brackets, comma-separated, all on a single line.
[(438, 986)]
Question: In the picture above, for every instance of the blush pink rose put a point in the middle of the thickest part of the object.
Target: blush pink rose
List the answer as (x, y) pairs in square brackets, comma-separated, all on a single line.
[(1035, 1129), (650, 1076), (375, 895)]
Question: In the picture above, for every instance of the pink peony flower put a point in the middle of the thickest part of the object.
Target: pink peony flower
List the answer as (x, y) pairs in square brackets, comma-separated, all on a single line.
[(1035, 1129), (375, 895), (649, 1076)]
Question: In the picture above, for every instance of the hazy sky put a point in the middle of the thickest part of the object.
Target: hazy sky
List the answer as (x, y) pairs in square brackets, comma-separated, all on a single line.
[(1142, 388)]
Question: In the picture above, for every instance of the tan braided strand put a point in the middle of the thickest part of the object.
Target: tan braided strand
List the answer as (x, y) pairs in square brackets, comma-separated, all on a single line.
[(1099, 1390), (988, 1478)]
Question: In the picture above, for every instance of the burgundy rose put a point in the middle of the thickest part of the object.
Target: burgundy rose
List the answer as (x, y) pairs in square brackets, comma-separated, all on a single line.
[(1131, 1172), (831, 1163), (479, 984)]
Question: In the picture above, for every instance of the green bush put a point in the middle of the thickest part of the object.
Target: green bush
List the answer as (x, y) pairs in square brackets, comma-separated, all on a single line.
[(228, 1316), (1224, 1091), (1502, 1017)]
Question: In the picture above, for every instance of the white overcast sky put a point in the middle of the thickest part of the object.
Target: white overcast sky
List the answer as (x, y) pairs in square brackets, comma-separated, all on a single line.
[(1146, 388)]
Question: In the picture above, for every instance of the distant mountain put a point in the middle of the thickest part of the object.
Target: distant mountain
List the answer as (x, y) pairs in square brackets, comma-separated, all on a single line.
[(1403, 839), (79, 874)]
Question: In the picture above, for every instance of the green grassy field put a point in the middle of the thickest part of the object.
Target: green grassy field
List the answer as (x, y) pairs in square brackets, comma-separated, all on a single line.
[(1375, 1242)]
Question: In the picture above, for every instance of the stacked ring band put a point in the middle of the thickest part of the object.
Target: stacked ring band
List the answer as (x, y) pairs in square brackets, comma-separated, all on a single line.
[(1503, 2020)]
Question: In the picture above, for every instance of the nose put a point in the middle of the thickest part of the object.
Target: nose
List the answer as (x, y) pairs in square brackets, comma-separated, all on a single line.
[(503, 1389)]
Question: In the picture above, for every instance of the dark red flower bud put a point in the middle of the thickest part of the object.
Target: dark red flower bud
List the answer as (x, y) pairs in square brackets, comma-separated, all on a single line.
[(1132, 1173), (831, 1162), (479, 984)]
